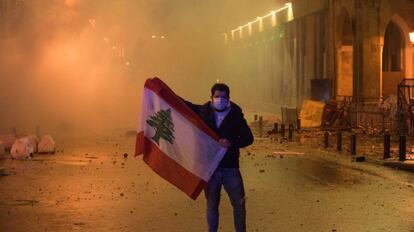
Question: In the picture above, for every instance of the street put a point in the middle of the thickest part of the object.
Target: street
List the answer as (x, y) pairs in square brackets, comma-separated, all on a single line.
[(325, 88), (89, 185)]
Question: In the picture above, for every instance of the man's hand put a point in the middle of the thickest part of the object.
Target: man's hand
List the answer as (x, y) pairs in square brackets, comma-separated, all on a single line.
[(225, 143)]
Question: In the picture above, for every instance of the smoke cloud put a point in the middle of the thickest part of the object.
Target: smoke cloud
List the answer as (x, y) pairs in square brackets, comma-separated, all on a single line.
[(74, 66)]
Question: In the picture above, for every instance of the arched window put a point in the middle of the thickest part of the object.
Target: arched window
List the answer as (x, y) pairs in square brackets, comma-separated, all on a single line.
[(393, 47)]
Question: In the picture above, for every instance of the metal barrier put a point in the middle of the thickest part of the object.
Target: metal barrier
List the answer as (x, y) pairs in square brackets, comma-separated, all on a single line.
[(406, 106)]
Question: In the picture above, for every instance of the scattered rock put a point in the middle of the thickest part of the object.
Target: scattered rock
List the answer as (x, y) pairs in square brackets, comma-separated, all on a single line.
[(262, 170), (24, 202), (125, 155)]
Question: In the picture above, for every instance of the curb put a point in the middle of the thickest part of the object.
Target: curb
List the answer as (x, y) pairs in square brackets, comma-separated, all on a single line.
[(401, 165)]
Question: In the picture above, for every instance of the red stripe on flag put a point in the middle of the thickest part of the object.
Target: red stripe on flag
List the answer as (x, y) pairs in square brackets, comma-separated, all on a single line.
[(170, 170), (139, 143), (163, 91)]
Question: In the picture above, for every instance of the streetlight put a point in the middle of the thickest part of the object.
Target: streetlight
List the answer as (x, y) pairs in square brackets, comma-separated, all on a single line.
[(92, 22), (412, 37), (259, 19)]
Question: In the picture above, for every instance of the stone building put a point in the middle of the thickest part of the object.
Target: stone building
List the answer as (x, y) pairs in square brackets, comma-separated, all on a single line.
[(321, 49)]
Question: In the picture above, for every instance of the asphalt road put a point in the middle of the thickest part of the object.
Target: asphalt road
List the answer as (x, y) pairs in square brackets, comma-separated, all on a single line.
[(90, 186)]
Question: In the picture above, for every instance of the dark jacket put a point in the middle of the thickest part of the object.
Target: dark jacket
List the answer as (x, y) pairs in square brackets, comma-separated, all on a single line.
[(234, 128)]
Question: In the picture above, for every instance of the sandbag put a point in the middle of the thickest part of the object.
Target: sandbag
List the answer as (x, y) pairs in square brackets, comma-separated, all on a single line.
[(46, 145), (22, 148)]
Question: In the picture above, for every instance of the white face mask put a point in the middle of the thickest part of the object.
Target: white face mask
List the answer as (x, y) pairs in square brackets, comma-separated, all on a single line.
[(220, 103)]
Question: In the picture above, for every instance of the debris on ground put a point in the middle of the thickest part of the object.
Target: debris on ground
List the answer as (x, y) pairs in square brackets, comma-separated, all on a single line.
[(369, 140), (24, 202), (369, 130), (282, 153)]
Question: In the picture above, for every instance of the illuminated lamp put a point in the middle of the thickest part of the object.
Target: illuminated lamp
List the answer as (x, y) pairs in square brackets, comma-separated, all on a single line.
[(412, 37)]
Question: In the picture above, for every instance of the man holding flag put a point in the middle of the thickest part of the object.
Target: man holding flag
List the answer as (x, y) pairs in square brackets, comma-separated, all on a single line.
[(226, 119), (195, 147)]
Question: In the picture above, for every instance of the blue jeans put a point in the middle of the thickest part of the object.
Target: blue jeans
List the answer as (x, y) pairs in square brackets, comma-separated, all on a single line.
[(231, 180)]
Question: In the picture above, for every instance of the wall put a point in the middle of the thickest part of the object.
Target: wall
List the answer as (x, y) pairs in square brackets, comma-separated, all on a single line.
[(274, 68)]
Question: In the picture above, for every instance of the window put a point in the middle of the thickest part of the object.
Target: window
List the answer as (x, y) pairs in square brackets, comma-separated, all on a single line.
[(393, 47)]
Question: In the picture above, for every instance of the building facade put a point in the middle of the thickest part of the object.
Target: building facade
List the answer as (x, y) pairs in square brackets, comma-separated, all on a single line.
[(323, 49)]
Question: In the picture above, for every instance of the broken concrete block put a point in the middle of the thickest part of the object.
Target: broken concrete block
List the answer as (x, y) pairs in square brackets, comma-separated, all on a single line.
[(22, 148), (47, 145), (34, 141)]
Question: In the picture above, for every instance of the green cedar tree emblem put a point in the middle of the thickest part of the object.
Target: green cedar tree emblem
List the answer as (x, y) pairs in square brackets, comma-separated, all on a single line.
[(162, 123)]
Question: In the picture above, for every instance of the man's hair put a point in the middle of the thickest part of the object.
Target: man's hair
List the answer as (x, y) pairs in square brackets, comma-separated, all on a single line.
[(220, 87)]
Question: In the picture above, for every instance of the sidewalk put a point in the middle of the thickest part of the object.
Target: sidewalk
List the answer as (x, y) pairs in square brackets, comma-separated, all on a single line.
[(369, 147)]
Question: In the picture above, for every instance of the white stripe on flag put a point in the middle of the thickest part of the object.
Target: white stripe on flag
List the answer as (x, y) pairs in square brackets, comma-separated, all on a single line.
[(192, 148)]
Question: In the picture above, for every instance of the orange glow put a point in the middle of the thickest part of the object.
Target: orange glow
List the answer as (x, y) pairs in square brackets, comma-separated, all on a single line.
[(71, 3), (82, 64)]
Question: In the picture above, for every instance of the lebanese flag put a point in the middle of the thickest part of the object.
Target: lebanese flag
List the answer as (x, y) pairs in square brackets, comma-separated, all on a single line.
[(176, 143)]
